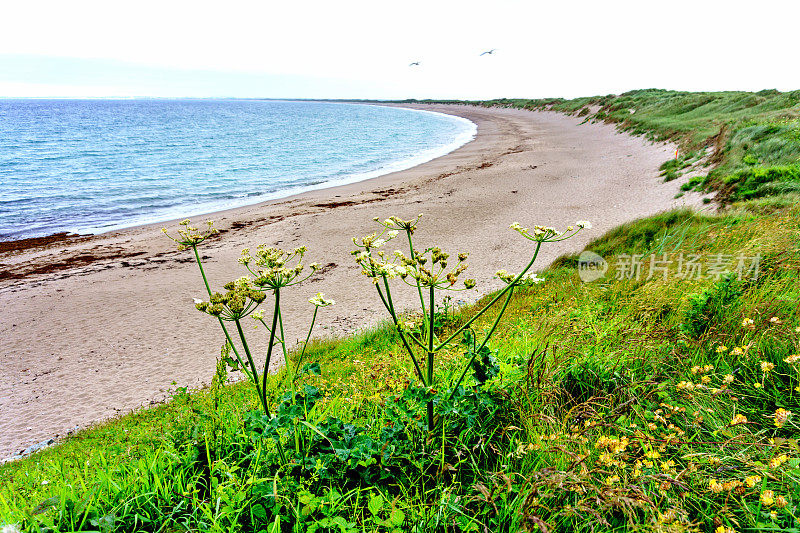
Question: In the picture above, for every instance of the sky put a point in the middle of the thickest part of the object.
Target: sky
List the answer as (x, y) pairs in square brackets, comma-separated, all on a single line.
[(354, 49)]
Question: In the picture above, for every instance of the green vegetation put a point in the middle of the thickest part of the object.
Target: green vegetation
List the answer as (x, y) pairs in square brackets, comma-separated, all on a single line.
[(662, 397)]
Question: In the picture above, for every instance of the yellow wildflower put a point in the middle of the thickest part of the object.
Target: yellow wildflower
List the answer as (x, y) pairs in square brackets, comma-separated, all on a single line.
[(766, 367), (739, 419), (752, 481), (767, 498), (774, 320), (778, 461), (757, 385), (706, 379), (737, 351), (782, 416), (722, 348), (792, 359), (715, 486), (611, 480), (728, 378)]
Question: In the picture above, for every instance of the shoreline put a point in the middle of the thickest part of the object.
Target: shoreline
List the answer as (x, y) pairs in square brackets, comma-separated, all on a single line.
[(65, 235), (114, 308)]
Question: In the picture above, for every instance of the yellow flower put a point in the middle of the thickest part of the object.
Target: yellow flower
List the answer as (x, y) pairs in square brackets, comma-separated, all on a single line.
[(778, 461), (782, 416), (611, 480), (767, 498), (739, 419), (737, 351), (752, 481), (728, 378), (757, 385), (792, 359), (748, 323), (766, 367), (715, 486), (706, 379), (722, 348), (723, 529), (774, 320)]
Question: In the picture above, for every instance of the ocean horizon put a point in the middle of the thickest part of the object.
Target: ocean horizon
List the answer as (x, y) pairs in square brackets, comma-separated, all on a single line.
[(99, 165)]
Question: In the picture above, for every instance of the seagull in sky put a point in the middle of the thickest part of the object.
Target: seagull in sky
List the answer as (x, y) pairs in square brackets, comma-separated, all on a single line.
[(415, 63), (489, 52)]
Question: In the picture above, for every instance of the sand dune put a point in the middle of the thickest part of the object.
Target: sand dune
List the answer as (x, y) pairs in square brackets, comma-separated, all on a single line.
[(92, 327)]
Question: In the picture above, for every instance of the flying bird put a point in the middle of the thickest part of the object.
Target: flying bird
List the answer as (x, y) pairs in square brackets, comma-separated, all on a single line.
[(489, 52), (415, 63)]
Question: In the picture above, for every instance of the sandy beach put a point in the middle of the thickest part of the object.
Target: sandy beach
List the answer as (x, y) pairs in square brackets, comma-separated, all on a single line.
[(93, 327)]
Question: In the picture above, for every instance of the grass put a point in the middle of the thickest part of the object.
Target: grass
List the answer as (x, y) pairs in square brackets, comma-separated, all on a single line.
[(625, 404), (588, 393)]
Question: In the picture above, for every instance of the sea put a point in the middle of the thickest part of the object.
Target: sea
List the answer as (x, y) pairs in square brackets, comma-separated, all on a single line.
[(92, 166)]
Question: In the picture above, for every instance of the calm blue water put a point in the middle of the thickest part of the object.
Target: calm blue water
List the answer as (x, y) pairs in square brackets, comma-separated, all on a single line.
[(90, 166)]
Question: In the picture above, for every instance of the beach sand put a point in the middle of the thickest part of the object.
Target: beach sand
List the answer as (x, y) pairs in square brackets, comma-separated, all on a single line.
[(93, 327)]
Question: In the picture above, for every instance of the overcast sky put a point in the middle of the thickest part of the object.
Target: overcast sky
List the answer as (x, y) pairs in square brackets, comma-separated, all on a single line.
[(353, 49)]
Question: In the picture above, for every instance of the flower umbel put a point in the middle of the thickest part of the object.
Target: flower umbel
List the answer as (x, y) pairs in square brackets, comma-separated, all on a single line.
[(319, 300), (190, 236)]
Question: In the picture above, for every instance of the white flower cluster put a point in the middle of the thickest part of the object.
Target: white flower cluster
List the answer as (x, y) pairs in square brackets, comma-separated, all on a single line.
[(319, 300), (546, 233)]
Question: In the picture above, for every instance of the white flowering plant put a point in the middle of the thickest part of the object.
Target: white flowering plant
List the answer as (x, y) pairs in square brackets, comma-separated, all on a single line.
[(430, 271), (269, 271)]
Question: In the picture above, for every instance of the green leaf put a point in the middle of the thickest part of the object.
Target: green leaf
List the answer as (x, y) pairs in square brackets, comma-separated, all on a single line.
[(397, 517), (375, 504)]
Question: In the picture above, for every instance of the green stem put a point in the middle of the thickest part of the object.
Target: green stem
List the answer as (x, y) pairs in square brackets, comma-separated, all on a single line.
[(387, 302), (262, 397), (475, 352), (221, 323), (275, 314), (305, 344), (419, 287), (492, 302), (430, 355)]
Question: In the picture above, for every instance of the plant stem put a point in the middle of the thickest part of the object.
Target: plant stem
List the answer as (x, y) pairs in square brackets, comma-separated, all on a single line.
[(305, 344), (491, 303), (261, 393), (475, 352), (221, 323), (430, 355), (387, 302), (275, 313), (419, 287)]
